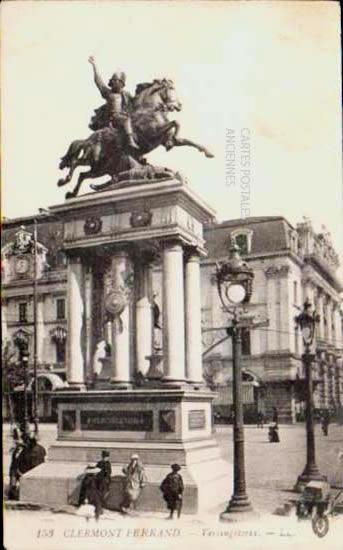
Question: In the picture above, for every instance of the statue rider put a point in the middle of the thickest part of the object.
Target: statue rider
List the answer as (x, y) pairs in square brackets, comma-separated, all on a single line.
[(119, 102)]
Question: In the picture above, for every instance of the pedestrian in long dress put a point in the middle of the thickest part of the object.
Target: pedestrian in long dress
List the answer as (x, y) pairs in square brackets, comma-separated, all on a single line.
[(135, 480), (325, 422)]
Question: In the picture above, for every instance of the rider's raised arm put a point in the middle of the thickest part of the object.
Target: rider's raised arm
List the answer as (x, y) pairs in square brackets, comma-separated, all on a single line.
[(100, 84)]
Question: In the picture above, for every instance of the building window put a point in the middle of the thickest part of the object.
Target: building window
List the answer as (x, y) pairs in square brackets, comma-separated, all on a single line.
[(60, 352), (246, 345), (23, 313), (60, 308), (243, 239), (242, 243)]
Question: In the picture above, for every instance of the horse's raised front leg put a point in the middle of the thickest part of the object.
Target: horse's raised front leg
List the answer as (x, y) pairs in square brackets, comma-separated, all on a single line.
[(74, 164), (180, 142), (174, 140), (67, 179), (82, 176)]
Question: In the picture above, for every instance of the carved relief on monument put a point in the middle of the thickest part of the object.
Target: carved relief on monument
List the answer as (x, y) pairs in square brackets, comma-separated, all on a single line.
[(92, 226), (141, 218)]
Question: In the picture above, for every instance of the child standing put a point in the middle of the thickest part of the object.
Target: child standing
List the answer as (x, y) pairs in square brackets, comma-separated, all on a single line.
[(172, 488)]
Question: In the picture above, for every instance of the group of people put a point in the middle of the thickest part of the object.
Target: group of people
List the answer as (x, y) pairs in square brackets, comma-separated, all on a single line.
[(26, 454), (273, 432), (95, 486)]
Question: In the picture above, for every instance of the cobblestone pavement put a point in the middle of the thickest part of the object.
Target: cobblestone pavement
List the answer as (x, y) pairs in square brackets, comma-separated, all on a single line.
[(271, 468), (271, 471)]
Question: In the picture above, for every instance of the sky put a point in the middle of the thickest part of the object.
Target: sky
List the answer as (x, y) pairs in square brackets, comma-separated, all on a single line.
[(259, 83)]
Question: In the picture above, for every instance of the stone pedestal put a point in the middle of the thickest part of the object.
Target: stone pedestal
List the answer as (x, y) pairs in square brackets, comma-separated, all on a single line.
[(163, 426), (112, 240)]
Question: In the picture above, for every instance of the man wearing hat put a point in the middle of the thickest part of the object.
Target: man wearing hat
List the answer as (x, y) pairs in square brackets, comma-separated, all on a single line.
[(104, 476), (172, 488), (119, 102)]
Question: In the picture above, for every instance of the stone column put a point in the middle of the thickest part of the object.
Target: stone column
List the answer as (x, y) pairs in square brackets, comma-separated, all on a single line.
[(193, 318), (40, 329), (4, 330), (325, 384), (321, 313), (338, 327), (144, 322), (328, 313), (272, 274), (75, 364), (284, 308), (173, 313), (120, 356), (88, 323)]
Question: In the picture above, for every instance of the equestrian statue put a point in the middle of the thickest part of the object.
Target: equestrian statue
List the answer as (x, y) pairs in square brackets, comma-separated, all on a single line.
[(126, 128)]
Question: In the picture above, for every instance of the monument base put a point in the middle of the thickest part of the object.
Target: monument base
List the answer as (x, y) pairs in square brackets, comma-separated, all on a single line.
[(163, 426)]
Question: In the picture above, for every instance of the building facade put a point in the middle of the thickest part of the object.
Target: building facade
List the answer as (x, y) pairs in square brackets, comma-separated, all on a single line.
[(289, 265)]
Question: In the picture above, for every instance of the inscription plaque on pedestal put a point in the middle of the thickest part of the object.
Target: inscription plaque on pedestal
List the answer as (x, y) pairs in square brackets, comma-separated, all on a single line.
[(137, 421), (196, 419)]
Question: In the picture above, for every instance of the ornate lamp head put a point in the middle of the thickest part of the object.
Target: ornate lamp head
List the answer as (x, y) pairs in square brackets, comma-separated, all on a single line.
[(306, 321), (21, 341), (234, 280)]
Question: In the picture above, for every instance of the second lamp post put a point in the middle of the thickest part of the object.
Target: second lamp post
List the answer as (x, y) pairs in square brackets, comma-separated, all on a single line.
[(234, 282), (306, 321)]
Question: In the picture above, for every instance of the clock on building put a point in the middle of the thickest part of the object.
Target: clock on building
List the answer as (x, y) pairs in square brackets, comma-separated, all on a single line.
[(22, 265)]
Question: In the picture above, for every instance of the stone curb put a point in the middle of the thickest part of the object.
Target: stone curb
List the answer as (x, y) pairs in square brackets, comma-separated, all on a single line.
[(20, 505)]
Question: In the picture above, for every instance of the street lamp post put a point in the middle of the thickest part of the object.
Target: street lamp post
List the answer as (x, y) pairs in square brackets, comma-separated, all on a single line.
[(24, 358), (306, 321), (234, 282), (35, 332)]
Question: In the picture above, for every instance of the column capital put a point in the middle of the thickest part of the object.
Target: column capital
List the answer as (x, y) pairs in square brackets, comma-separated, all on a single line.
[(146, 252), (173, 245), (320, 292), (192, 254), (272, 272), (119, 253), (73, 257), (284, 270)]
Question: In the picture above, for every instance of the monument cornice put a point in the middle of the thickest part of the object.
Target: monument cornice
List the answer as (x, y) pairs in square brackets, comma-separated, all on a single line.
[(150, 195), (128, 235), (158, 394)]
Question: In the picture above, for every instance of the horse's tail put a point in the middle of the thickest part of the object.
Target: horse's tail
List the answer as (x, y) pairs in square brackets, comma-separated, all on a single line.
[(73, 152)]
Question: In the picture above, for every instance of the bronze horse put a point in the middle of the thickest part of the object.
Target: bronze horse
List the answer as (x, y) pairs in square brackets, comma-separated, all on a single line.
[(105, 150)]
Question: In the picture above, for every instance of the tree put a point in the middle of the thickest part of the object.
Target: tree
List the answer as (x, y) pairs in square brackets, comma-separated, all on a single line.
[(12, 374)]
